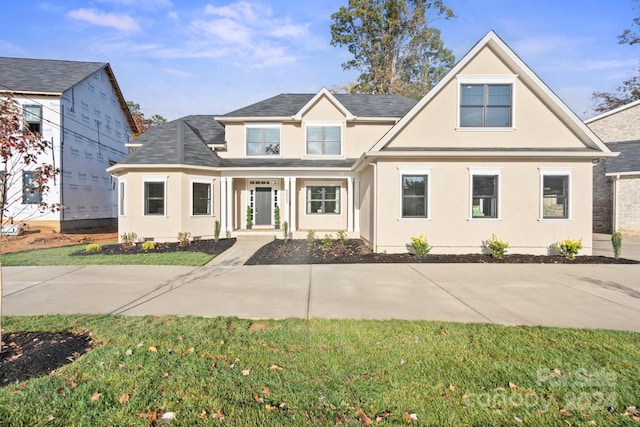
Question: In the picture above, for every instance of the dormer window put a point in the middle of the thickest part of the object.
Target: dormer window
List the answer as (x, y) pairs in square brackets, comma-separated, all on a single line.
[(263, 141), (324, 140)]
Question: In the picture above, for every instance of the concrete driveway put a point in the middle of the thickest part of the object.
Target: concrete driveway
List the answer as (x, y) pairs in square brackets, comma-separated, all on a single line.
[(590, 296)]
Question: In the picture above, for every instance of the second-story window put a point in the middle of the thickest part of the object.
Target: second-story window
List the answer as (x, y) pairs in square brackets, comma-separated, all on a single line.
[(263, 141), (33, 117), (323, 140), (485, 105)]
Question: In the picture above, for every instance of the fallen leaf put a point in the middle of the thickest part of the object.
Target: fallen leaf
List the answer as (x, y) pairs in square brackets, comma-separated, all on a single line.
[(95, 396), (635, 418), (565, 412), (139, 367), (513, 386), (258, 327), (203, 414), (364, 419), (192, 349), (275, 367), (140, 345), (632, 410), (444, 333), (246, 372), (452, 387), (217, 415), (166, 417), (128, 353), (382, 415), (152, 349), (518, 420), (259, 400), (124, 398), (410, 417), (557, 371), (266, 391), (270, 408), (151, 415), (402, 362)]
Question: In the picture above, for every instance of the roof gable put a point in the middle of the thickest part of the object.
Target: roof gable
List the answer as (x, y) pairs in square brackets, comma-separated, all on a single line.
[(324, 93), (614, 111), (508, 60)]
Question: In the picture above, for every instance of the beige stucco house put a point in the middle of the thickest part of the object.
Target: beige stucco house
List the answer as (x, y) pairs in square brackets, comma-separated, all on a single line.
[(616, 181), (489, 150)]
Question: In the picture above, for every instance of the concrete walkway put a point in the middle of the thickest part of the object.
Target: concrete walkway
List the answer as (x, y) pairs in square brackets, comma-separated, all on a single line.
[(591, 296)]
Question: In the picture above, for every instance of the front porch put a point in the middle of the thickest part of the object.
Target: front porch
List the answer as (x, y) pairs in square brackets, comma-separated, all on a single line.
[(325, 202)]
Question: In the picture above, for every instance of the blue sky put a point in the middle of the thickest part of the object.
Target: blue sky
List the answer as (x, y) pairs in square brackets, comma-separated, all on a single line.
[(180, 57)]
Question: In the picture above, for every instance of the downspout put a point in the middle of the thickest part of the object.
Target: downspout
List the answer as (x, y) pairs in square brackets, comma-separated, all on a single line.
[(374, 238), (615, 202), (62, 163)]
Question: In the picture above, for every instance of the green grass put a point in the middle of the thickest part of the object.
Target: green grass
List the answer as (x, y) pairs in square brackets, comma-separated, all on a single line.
[(447, 374), (62, 256)]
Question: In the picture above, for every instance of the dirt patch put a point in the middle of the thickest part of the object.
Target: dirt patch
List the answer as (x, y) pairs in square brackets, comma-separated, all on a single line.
[(41, 237), (27, 355), (354, 251)]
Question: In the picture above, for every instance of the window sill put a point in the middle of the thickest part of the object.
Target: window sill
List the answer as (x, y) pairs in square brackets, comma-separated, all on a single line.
[(555, 219), (485, 129), (263, 156), (484, 219), (402, 219), (324, 156)]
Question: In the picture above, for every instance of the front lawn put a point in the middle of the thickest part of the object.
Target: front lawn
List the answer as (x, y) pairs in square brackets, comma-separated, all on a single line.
[(196, 254), (328, 372)]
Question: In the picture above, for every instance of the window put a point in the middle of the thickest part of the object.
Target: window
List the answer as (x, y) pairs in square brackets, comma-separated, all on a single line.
[(33, 117), (263, 141), (414, 196), (323, 200), (555, 196), (201, 198), (31, 193), (121, 197), (323, 140), (485, 105), (484, 190), (154, 198)]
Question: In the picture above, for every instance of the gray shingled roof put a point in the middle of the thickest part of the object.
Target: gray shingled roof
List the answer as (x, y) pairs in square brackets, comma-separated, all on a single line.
[(44, 75), (179, 142), (287, 163), (360, 105), (627, 161)]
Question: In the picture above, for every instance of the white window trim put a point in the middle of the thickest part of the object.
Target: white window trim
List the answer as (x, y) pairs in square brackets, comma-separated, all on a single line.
[(557, 172), (158, 178), (209, 181), (262, 126), (339, 184), (489, 172), (487, 79), (122, 197), (324, 124), (414, 171)]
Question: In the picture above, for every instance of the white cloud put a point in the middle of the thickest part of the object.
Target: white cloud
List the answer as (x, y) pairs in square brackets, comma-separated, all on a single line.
[(175, 72), (173, 15), (118, 21), (536, 46), (225, 30), (144, 4), (241, 10), (290, 30)]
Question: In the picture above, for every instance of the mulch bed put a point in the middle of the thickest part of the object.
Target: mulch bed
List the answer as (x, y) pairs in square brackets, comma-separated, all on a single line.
[(28, 355), (355, 251), (209, 247)]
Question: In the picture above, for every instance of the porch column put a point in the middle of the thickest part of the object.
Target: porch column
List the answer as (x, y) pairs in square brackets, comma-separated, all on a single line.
[(294, 204), (349, 204), (356, 202), (223, 204), (229, 204), (287, 194)]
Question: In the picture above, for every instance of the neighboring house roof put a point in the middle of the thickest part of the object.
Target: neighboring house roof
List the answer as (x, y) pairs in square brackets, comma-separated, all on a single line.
[(359, 105), (180, 142), (50, 76), (612, 112), (287, 163), (628, 162), (507, 55)]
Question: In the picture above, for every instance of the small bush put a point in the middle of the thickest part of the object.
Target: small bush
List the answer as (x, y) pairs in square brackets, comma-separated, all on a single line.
[(93, 247), (616, 241), (326, 242), (249, 216), (311, 236), (129, 239), (420, 245), (276, 216), (148, 246), (498, 247), (342, 236), (216, 233), (285, 231), (568, 248), (184, 238)]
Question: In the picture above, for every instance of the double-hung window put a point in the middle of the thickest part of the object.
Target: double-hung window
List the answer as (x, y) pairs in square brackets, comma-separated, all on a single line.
[(485, 105), (33, 117), (324, 140), (154, 198), (31, 194), (415, 194), (201, 198), (263, 141), (484, 193), (555, 194), (323, 199)]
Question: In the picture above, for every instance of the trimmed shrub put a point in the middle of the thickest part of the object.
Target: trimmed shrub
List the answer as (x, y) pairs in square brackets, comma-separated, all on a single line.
[(93, 247), (326, 242), (311, 236), (216, 233), (129, 239), (568, 248), (148, 246), (616, 241), (285, 231), (498, 247), (420, 245)]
